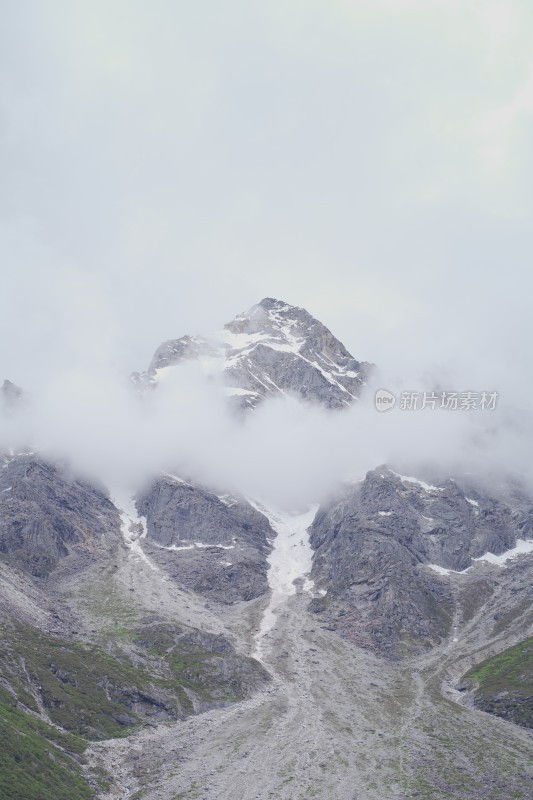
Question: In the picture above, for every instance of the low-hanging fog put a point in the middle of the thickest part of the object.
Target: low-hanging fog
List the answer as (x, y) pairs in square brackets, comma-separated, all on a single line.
[(286, 451)]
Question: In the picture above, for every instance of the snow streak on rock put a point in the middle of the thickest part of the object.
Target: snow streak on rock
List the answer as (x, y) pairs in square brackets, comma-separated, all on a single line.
[(290, 560), (522, 547), (133, 527)]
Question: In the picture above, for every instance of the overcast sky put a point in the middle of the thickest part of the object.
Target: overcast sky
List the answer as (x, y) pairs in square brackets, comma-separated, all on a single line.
[(166, 164)]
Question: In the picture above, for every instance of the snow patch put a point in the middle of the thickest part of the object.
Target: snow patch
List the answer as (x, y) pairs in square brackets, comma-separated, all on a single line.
[(175, 546), (522, 547), (426, 486), (236, 390), (444, 571), (472, 502), (290, 559), (283, 348), (349, 373), (130, 522), (239, 341), (229, 500), (193, 545)]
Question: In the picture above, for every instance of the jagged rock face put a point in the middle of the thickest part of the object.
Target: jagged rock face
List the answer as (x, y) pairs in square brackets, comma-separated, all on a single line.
[(285, 349), (467, 522), (448, 522), (272, 349), (373, 541), (215, 545), (46, 515)]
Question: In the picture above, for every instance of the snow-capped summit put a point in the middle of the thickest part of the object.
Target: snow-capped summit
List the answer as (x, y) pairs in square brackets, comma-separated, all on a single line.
[(274, 348)]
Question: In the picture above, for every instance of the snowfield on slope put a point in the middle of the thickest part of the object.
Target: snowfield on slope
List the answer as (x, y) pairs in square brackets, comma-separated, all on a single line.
[(291, 559)]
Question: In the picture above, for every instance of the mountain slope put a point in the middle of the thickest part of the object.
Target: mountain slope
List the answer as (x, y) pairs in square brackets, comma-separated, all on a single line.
[(79, 654)]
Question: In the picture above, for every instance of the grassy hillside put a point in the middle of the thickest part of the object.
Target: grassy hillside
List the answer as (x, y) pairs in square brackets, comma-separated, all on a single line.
[(505, 684), (37, 761), (56, 694)]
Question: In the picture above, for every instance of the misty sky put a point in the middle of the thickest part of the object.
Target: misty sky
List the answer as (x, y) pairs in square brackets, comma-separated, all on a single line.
[(165, 165)]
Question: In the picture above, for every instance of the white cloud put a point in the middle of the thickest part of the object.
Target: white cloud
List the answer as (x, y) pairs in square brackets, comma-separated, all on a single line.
[(167, 165), (285, 451)]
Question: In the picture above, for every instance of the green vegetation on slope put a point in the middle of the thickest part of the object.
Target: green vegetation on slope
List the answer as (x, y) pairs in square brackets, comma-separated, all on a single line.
[(505, 684), (213, 675), (99, 695), (37, 760), (83, 690), (142, 670)]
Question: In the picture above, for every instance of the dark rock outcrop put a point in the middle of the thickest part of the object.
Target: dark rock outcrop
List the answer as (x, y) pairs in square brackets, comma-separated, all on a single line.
[(46, 514), (374, 540), (214, 545)]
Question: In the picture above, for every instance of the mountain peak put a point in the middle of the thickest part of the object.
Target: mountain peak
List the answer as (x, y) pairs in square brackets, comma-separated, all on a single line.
[(263, 314), (271, 302), (273, 348)]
